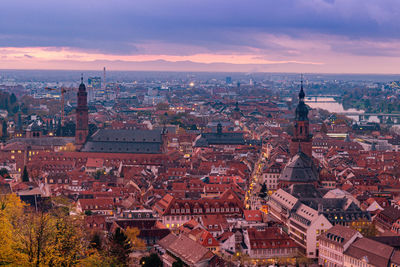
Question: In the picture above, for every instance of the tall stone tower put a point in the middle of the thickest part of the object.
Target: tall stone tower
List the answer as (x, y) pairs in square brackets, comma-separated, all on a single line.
[(82, 117), (302, 139), (236, 114)]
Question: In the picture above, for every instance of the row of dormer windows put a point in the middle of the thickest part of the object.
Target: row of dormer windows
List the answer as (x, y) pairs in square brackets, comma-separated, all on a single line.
[(200, 210)]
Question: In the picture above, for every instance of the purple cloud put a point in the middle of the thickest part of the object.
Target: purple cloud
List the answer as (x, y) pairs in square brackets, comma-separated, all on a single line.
[(125, 26)]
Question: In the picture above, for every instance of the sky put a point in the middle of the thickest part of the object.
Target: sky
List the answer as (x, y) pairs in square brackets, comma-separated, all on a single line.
[(309, 36)]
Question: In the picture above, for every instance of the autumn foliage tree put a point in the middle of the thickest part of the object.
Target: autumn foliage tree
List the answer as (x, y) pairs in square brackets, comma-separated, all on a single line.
[(32, 238), (119, 246), (56, 238)]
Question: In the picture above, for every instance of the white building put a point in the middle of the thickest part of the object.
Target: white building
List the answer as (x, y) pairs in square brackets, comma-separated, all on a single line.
[(333, 243), (303, 223), (270, 176)]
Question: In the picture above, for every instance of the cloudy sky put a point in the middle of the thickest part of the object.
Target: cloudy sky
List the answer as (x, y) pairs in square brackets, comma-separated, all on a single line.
[(326, 36)]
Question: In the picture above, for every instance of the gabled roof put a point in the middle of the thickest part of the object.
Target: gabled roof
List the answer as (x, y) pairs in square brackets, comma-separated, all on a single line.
[(253, 215), (203, 237), (284, 198), (268, 238), (228, 138), (94, 162), (339, 234), (124, 141), (299, 169), (391, 212), (373, 252), (188, 250), (111, 135), (303, 191)]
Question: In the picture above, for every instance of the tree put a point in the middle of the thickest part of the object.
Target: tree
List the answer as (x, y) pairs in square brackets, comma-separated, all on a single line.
[(11, 209), (133, 234), (68, 241), (35, 238), (264, 188), (88, 212), (97, 175), (96, 259), (96, 241), (4, 172), (38, 238), (4, 129), (151, 261), (366, 228), (119, 246), (263, 191), (25, 175)]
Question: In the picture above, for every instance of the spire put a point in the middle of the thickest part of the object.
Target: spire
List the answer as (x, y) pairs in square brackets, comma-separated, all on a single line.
[(301, 110), (301, 94), (82, 86)]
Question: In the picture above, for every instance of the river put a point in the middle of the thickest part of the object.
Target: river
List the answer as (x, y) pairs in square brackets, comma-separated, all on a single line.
[(331, 105)]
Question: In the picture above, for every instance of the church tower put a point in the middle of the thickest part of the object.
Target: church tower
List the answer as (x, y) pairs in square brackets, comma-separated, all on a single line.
[(302, 139), (236, 114), (82, 117)]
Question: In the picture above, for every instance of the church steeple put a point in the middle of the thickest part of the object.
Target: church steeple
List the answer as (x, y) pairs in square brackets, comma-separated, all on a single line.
[(301, 136), (301, 93), (82, 116), (236, 114), (301, 109)]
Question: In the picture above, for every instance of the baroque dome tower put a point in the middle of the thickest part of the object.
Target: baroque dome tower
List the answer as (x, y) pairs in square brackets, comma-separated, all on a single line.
[(302, 139)]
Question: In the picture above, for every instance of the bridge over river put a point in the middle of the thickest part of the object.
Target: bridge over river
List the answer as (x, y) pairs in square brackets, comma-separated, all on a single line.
[(321, 98), (383, 117), (329, 103)]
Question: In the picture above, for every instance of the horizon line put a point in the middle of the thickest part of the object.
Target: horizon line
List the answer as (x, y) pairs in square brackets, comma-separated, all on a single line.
[(201, 71)]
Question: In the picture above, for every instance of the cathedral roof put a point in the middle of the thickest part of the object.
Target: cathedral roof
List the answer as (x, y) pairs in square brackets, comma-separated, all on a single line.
[(125, 141), (299, 169)]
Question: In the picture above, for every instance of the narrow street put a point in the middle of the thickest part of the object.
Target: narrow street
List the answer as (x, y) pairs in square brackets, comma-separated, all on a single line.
[(252, 201)]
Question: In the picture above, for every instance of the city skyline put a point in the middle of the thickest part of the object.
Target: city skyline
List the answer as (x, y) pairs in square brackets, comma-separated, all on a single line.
[(319, 36)]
